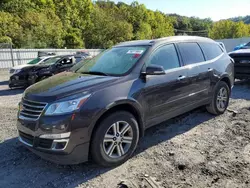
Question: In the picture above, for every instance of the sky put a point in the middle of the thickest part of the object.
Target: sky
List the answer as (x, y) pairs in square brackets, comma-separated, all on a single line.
[(214, 9)]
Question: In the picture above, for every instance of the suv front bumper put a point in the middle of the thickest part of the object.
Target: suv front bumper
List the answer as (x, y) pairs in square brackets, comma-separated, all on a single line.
[(18, 81), (59, 147), (78, 155)]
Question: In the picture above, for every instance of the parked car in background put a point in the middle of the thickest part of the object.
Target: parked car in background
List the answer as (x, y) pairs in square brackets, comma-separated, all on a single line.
[(19, 74), (246, 46), (51, 67), (242, 63), (102, 109), (79, 64), (42, 53), (242, 46), (79, 56)]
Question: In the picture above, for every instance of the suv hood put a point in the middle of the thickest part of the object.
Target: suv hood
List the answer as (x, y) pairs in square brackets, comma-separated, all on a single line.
[(28, 67), (66, 84)]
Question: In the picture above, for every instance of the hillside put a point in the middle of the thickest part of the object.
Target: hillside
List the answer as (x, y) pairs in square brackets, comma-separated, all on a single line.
[(245, 19)]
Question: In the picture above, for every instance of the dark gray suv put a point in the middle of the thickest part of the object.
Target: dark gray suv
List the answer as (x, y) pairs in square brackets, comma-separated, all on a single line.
[(102, 109)]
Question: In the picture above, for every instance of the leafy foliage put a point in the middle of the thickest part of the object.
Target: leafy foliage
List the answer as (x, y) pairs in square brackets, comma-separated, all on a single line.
[(99, 24), (229, 29), (193, 25)]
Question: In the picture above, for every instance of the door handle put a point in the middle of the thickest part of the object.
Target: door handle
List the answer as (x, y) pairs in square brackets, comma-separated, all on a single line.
[(210, 70), (181, 78)]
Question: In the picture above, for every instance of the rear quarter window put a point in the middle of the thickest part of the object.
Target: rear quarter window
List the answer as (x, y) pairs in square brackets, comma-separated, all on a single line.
[(211, 50), (191, 53)]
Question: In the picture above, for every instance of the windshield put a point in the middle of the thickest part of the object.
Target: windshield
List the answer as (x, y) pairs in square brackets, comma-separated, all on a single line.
[(51, 60), (115, 61), (34, 61)]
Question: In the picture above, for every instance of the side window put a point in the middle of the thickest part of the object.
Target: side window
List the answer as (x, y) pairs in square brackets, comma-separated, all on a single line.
[(165, 56), (211, 50), (63, 61), (191, 53), (67, 60)]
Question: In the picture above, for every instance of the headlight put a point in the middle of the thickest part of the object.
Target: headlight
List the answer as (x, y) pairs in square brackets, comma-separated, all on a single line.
[(15, 71), (66, 106)]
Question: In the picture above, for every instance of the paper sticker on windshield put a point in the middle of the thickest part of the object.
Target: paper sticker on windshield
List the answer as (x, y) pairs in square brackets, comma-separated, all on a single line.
[(135, 52)]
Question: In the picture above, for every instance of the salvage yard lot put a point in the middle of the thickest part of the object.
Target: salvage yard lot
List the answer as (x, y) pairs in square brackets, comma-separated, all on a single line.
[(193, 150)]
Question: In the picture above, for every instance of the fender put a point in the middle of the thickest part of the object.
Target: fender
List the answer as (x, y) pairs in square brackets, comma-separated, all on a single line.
[(219, 78), (126, 101)]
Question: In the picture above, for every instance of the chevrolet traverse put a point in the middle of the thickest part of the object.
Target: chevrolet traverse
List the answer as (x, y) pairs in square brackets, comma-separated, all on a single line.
[(101, 110)]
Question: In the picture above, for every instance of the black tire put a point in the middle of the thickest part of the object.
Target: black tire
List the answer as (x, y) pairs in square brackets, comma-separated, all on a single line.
[(212, 107), (98, 153)]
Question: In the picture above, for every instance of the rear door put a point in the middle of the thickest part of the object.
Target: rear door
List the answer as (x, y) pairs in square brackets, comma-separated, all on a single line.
[(197, 70), (212, 52)]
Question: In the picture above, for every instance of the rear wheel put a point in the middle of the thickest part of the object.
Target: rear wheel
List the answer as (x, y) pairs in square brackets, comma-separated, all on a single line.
[(115, 139), (220, 99)]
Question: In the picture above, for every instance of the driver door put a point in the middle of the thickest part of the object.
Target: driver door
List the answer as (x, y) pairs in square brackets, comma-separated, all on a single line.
[(164, 94), (64, 64)]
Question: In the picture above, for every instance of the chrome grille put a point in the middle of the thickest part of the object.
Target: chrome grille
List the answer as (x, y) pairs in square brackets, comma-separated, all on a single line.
[(31, 109)]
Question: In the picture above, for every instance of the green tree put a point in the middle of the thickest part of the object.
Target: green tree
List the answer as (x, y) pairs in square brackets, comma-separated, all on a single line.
[(41, 30), (240, 30), (161, 25), (72, 38), (106, 31), (144, 32), (5, 39), (228, 29), (75, 16), (10, 28)]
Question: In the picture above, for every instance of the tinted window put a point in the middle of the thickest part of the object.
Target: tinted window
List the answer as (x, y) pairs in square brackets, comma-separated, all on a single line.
[(191, 53), (35, 61), (52, 60), (211, 50), (165, 56), (68, 60)]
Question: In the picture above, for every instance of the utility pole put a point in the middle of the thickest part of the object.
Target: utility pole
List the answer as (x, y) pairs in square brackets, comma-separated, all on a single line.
[(11, 53)]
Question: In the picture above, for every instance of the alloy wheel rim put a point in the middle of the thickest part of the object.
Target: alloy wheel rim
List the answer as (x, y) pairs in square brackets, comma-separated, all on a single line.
[(222, 99), (118, 139)]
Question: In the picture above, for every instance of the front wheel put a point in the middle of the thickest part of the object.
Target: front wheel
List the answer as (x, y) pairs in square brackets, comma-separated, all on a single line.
[(115, 139), (220, 99)]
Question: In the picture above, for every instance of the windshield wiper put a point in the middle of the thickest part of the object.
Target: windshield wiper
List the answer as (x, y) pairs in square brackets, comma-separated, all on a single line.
[(95, 73)]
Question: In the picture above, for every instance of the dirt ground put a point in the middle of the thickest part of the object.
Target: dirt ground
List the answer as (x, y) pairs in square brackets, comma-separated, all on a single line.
[(193, 150)]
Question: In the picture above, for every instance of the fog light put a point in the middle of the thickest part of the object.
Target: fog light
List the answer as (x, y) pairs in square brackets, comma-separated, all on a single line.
[(59, 144)]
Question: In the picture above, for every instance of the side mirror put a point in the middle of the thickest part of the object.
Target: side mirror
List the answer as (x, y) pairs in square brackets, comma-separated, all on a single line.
[(154, 70)]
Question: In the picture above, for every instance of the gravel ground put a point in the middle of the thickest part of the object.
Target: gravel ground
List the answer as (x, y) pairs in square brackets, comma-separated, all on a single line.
[(192, 150)]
